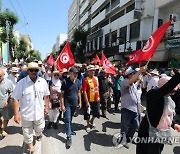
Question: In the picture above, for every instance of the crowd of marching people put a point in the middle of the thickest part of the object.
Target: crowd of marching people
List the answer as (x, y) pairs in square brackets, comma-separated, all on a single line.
[(30, 91)]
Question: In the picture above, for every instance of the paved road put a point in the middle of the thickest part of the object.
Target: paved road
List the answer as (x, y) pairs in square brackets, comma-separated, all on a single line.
[(99, 140)]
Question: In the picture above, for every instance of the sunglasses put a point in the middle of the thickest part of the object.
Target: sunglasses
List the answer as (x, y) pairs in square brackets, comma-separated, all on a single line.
[(33, 70), (56, 74)]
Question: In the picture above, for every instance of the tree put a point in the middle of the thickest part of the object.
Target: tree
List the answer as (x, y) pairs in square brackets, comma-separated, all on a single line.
[(21, 50), (7, 20), (34, 55), (78, 43)]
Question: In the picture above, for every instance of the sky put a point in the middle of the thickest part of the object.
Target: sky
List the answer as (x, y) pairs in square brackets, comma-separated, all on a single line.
[(45, 18)]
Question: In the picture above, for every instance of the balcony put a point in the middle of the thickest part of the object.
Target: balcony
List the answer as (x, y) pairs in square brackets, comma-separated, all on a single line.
[(84, 18), (97, 5), (98, 18), (123, 2), (84, 6)]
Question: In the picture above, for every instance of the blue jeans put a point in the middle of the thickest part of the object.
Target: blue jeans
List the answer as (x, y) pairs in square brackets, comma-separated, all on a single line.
[(68, 119), (129, 122)]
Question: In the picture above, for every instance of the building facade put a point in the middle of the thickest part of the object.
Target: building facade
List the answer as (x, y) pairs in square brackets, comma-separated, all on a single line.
[(73, 18), (169, 50), (119, 27), (59, 40)]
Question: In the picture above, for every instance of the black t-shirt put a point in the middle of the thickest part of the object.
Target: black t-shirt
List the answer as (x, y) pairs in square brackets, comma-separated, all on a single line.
[(70, 91)]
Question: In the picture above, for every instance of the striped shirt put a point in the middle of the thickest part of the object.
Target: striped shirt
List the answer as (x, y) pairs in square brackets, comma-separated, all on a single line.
[(91, 87)]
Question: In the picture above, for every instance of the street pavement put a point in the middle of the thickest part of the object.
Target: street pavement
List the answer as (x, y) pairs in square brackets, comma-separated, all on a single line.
[(97, 141)]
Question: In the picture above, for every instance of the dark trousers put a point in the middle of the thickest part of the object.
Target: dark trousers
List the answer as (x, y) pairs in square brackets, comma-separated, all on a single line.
[(68, 119), (149, 148), (129, 122), (117, 95), (104, 100)]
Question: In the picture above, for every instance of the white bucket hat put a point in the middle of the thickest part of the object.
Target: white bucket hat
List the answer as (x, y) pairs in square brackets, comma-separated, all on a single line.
[(33, 65), (14, 70), (154, 72), (129, 71)]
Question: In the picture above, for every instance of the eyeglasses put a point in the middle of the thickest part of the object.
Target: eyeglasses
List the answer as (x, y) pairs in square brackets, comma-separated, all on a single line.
[(33, 70), (56, 74)]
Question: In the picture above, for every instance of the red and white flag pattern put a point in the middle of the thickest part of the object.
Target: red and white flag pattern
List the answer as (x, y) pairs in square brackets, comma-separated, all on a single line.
[(107, 65), (65, 59), (150, 47)]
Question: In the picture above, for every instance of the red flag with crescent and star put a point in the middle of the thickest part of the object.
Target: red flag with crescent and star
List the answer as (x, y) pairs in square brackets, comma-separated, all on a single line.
[(150, 47), (65, 59), (51, 60), (96, 60), (107, 65)]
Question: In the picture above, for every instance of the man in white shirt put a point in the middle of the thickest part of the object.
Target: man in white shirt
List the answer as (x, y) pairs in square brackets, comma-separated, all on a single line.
[(13, 76), (30, 94), (153, 82)]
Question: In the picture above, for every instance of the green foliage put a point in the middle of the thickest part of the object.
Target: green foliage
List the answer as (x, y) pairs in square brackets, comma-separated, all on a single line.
[(21, 51), (12, 19), (7, 33), (35, 55), (78, 43)]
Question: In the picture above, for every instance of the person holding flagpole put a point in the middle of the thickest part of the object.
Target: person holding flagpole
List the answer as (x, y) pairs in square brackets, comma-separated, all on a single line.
[(130, 106)]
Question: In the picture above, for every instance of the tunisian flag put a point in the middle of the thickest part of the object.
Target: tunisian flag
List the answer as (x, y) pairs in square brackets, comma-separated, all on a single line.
[(107, 65), (65, 59), (96, 60), (51, 60), (150, 47)]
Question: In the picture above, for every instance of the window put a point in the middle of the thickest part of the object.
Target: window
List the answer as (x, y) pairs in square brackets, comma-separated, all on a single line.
[(105, 7), (130, 8), (107, 40), (100, 42), (106, 22), (114, 3), (118, 15), (135, 30), (122, 35), (114, 37), (95, 15)]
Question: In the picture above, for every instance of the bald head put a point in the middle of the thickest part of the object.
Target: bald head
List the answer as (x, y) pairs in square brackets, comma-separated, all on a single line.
[(1, 74)]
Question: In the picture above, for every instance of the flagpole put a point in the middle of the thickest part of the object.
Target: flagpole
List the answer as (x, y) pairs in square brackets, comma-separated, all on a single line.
[(148, 62)]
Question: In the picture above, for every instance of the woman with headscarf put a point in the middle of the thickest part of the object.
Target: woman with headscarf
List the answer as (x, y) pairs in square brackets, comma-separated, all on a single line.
[(55, 89), (159, 117)]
